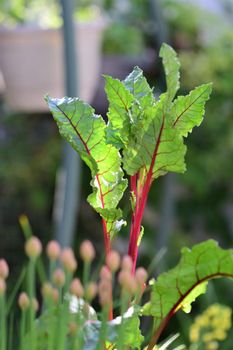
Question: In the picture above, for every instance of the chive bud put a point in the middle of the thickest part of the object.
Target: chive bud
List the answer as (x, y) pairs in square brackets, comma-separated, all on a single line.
[(47, 290), (59, 278), (4, 269), (127, 263), (91, 290), (53, 250), (113, 260), (141, 275), (68, 260), (23, 301), (2, 286), (127, 282), (87, 251), (76, 288), (33, 247)]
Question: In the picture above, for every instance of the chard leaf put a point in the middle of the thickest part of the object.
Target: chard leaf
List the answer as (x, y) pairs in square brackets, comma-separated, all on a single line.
[(179, 287), (171, 66), (120, 100), (137, 84), (157, 147), (187, 111), (85, 131)]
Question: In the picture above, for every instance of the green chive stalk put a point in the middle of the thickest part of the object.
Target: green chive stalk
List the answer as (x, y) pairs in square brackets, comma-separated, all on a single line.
[(3, 342), (31, 293)]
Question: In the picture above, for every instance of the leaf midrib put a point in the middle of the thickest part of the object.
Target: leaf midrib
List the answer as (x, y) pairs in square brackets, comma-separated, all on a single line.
[(88, 152), (178, 118)]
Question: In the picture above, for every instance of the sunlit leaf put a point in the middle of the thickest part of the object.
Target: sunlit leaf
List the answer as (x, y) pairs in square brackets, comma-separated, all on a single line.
[(85, 131), (179, 287), (158, 147), (120, 100), (171, 66), (188, 111)]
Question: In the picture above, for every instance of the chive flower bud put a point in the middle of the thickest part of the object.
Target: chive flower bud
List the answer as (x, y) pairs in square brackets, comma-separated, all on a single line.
[(113, 260), (35, 304), (105, 292), (87, 251), (33, 247), (55, 295), (68, 260), (59, 278), (127, 263), (91, 290), (141, 275), (127, 281), (47, 290), (4, 269), (53, 250), (23, 301), (2, 286), (105, 273), (76, 288)]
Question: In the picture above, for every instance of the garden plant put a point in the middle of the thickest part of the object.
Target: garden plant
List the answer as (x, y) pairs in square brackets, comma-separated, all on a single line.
[(142, 140)]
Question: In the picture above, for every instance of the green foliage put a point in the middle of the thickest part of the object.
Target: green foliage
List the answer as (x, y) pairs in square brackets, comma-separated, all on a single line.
[(172, 67), (179, 287), (149, 131), (44, 13), (123, 39)]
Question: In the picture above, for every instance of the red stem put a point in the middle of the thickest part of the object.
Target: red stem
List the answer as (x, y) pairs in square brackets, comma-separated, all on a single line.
[(107, 242), (141, 199), (136, 224)]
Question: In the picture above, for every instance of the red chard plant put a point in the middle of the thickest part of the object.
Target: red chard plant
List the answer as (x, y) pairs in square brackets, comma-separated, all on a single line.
[(149, 132), (142, 140)]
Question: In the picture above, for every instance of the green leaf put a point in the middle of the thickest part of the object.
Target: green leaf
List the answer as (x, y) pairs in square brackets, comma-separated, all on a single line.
[(127, 100), (138, 86), (120, 101), (85, 131), (171, 66), (179, 287), (188, 111), (157, 147)]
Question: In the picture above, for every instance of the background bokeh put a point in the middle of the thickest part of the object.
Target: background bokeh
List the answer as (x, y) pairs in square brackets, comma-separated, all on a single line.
[(181, 210)]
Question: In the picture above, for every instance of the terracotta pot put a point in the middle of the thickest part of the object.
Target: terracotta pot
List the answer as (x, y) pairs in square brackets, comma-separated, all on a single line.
[(31, 61)]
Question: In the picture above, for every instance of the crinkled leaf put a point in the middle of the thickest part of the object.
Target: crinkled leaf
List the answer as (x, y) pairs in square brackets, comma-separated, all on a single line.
[(127, 101), (179, 287), (188, 111), (171, 66), (85, 131), (120, 100), (137, 84), (158, 147)]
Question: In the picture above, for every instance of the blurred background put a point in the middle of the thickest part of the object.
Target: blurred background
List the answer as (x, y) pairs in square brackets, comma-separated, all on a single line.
[(111, 37)]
